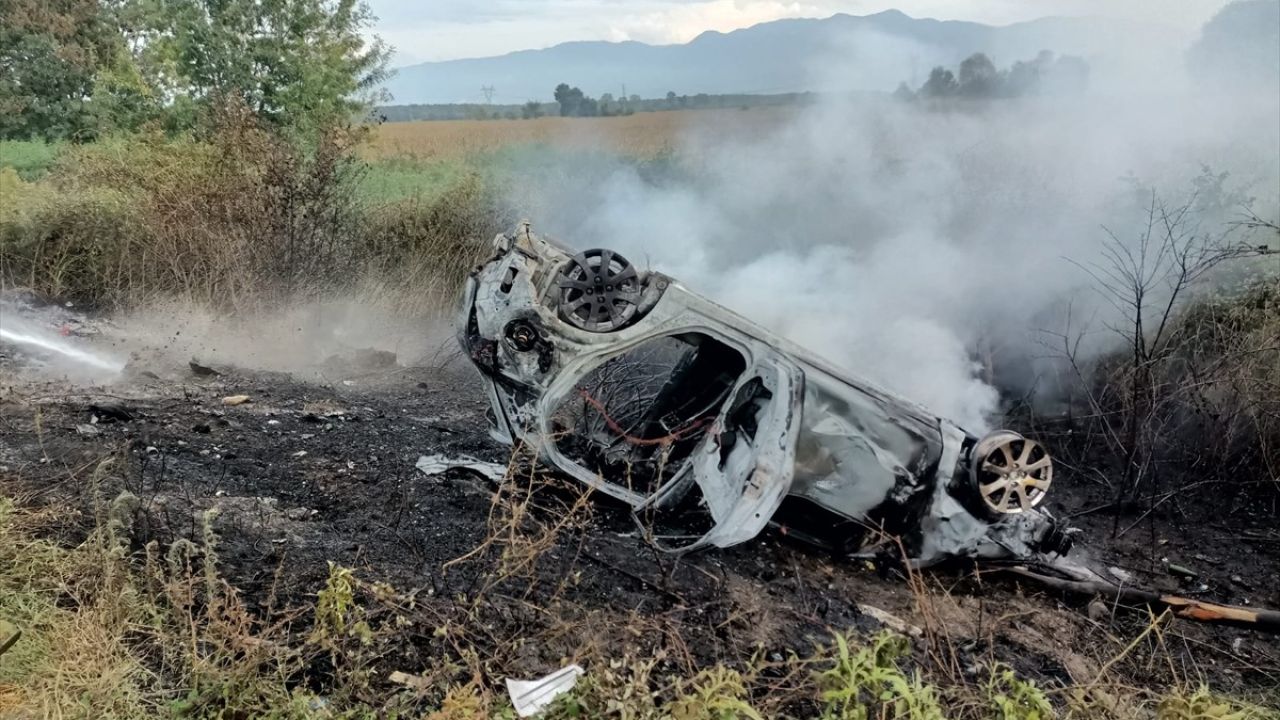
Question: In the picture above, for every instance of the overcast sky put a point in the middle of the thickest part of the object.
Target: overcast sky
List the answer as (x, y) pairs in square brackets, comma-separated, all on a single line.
[(445, 29)]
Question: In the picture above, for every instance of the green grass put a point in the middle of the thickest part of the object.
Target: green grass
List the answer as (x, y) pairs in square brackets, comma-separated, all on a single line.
[(31, 159), (390, 181)]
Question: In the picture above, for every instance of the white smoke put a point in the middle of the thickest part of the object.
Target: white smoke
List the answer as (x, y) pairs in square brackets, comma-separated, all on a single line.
[(897, 239)]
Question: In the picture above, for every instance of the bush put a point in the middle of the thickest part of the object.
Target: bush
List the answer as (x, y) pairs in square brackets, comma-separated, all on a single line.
[(71, 245), (242, 217)]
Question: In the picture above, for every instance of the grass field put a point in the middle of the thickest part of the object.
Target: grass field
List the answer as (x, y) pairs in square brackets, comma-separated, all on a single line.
[(638, 135)]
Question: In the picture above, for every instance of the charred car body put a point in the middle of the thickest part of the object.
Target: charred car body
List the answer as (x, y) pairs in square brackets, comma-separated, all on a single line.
[(711, 428)]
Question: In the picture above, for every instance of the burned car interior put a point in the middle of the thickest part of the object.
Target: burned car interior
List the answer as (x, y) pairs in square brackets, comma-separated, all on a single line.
[(711, 428)]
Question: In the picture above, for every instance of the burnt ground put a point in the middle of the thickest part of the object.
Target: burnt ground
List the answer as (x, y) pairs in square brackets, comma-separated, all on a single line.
[(322, 470)]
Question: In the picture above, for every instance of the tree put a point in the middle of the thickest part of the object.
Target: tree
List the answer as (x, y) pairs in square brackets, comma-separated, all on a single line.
[(294, 62), (531, 110), (573, 103), (941, 83), (671, 98), (52, 56), (570, 99), (903, 93), (979, 77)]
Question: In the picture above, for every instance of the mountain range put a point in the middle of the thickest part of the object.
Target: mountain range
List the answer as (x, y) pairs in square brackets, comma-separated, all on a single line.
[(841, 52)]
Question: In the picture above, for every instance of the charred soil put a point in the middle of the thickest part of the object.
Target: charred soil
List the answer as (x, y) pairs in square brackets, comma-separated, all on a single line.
[(318, 471)]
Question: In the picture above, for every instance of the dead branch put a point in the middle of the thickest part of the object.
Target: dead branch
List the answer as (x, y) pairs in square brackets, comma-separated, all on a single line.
[(1267, 620)]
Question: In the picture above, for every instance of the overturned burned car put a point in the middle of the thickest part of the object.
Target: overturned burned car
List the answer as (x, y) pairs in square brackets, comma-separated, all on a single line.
[(711, 428)]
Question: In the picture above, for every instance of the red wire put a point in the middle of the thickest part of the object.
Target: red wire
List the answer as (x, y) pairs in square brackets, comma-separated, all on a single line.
[(680, 434)]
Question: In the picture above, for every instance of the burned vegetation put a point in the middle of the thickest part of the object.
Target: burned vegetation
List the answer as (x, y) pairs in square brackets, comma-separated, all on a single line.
[(699, 515)]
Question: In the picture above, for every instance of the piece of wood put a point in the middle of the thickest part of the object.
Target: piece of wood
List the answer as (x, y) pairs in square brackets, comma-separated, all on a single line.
[(1268, 620), (9, 634)]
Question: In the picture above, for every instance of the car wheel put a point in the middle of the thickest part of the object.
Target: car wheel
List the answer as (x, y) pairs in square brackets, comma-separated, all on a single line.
[(1010, 473)]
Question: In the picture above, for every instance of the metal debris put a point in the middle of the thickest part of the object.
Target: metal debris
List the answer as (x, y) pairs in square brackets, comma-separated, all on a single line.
[(436, 464)]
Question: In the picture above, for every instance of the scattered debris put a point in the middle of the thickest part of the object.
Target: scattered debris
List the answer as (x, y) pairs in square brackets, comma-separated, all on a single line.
[(436, 464), (711, 428), (1179, 570), (1073, 578), (111, 412), (416, 683), (531, 696), (1125, 577), (202, 370), (891, 621), (360, 360), (234, 400)]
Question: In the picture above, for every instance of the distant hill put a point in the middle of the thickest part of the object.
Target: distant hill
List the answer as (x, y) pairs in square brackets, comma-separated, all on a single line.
[(847, 52), (1240, 46)]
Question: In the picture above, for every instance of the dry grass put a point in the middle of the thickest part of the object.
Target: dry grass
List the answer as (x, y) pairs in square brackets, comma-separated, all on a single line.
[(119, 633), (639, 135)]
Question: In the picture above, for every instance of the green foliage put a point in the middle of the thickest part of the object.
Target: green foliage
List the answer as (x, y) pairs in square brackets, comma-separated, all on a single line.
[(81, 69), (52, 52), (30, 159), (715, 694), (1202, 704), (1012, 698), (302, 63), (337, 614), (872, 684), (393, 181)]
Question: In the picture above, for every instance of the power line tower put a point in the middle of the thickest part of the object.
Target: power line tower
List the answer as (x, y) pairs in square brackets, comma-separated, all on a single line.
[(488, 93)]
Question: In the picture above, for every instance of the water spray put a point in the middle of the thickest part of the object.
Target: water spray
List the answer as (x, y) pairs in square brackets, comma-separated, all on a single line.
[(65, 350)]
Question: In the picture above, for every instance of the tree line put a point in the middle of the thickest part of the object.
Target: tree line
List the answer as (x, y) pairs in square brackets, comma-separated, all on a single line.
[(604, 106), (79, 69), (978, 78)]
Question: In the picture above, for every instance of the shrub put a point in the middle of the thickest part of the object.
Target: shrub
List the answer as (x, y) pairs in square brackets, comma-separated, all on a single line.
[(240, 218)]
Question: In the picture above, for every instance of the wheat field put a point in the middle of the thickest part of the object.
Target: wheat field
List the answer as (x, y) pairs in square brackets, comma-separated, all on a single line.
[(640, 135)]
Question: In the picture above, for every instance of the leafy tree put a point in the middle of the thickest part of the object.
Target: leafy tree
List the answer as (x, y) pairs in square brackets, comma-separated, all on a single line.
[(531, 109), (573, 103), (569, 98), (294, 62), (77, 68), (979, 77), (52, 55), (941, 83)]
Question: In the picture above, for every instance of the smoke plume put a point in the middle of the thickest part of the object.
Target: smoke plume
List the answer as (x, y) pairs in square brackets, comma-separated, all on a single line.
[(908, 242)]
